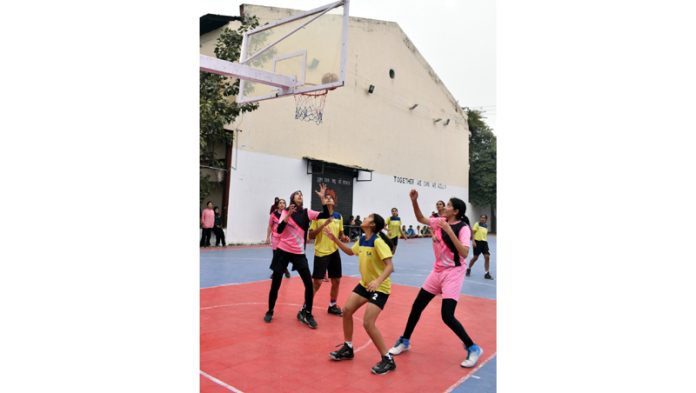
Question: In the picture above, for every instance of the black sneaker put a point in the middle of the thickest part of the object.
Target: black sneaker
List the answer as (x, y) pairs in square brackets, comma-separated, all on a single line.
[(335, 310), (287, 273), (468, 272), (488, 276), (344, 353), (384, 366), (268, 316), (307, 318)]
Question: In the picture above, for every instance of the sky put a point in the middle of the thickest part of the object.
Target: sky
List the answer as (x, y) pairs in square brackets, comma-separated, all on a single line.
[(456, 37)]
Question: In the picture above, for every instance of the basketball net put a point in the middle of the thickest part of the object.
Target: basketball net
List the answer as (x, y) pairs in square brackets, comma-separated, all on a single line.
[(310, 106)]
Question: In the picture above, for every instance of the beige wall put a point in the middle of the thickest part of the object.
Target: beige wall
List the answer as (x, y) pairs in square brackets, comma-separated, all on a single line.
[(375, 131)]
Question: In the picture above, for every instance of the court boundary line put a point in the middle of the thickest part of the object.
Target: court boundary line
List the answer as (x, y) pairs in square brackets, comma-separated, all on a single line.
[(358, 349), (219, 382), (471, 374), (347, 275)]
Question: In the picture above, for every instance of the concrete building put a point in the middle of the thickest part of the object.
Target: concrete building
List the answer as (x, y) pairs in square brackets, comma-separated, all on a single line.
[(373, 148)]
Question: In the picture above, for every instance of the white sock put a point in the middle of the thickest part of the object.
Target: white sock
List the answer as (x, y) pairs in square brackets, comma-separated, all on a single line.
[(349, 344), (388, 355), (332, 304)]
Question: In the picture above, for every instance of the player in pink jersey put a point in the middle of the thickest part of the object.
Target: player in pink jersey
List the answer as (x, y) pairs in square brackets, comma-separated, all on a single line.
[(272, 236), (292, 228), (451, 242)]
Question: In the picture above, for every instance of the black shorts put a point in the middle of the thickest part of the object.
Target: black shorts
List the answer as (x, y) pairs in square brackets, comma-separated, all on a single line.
[(281, 259), (379, 299), (331, 262), (481, 247), (394, 241)]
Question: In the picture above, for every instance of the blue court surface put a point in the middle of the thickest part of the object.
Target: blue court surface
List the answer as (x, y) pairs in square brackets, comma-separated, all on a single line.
[(413, 262)]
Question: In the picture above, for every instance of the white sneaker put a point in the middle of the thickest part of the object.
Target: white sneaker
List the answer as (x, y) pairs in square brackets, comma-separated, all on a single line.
[(402, 345), (475, 353)]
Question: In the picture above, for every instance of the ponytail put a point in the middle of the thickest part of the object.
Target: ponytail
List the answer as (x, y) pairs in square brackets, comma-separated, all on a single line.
[(460, 205), (379, 225), (386, 240)]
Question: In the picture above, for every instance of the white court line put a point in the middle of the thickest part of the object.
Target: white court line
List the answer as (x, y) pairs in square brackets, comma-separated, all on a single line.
[(240, 283), (478, 283), (219, 382), (238, 258), (475, 377), (369, 341), (464, 378)]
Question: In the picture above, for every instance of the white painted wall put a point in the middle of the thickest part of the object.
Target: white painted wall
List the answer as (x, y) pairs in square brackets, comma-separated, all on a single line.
[(383, 193), (261, 177), (257, 180)]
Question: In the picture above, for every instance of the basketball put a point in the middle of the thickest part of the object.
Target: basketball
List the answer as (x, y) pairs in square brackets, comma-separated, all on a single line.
[(329, 77)]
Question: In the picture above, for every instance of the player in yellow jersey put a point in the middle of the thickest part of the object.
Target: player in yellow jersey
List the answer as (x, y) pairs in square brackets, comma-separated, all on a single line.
[(374, 250), (394, 229), (480, 244), (326, 255)]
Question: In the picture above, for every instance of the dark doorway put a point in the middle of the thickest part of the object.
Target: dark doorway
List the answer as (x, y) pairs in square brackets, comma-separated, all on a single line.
[(338, 178)]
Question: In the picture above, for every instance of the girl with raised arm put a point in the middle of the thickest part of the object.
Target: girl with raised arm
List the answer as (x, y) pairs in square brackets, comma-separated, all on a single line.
[(293, 226), (451, 242), (374, 250)]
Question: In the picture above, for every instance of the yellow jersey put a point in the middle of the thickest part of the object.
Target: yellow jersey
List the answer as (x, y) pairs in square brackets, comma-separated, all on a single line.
[(480, 232), (323, 245), (393, 225), (371, 255)]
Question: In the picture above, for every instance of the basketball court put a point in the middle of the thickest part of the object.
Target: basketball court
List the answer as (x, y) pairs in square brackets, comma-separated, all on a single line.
[(241, 353)]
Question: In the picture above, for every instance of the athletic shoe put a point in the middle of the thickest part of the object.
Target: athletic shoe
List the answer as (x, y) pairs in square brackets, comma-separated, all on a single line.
[(488, 276), (475, 353), (468, 272), (268, 316), (344, 353), (307, 318), (402, 345), (287, 273), (335, 310), (384, 366)]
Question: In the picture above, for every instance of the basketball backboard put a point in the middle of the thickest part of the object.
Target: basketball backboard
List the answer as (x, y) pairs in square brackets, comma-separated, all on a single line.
[(306, 48)]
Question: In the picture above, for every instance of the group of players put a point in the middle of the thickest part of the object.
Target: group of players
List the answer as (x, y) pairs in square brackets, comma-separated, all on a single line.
[(290, 226)]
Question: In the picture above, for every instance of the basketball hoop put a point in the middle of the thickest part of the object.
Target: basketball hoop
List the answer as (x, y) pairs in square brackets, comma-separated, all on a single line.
[(310, 106)]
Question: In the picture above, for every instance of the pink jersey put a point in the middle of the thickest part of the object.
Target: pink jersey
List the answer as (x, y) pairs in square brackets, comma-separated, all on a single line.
[(444, 257), (208, 218), (292, 239), (273, 221)]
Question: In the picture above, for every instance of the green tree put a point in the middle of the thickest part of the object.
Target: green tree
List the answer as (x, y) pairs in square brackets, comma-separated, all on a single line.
[(482, 163), (217, 105)]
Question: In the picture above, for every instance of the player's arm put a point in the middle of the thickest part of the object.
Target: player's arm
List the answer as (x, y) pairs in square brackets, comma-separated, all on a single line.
[(388, 269), (340, 245), (461, 248), (416, 209), (341, 235), (314, 232)]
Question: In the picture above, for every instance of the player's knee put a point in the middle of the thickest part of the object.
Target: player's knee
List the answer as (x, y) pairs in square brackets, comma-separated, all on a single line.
[(448, 317), (368, 325)]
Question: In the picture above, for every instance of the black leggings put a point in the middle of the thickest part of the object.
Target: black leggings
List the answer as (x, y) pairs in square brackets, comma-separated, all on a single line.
[(448, 305), (277, 279)]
